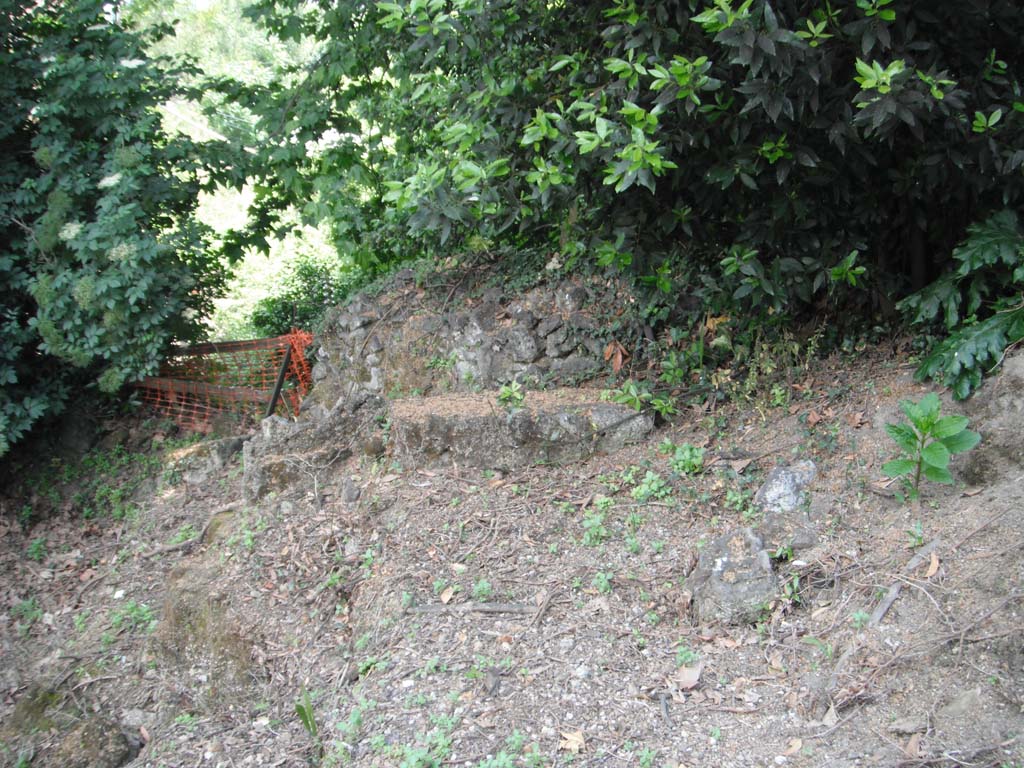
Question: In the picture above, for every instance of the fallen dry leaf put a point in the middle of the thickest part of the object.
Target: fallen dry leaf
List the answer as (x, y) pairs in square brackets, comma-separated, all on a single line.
[(856, 419), (712, 323), (794, 747), (686, 678), (616, 354), (447, 594), (813, 419), (933, 566), (572, 741), (739, 465), (913, 746)]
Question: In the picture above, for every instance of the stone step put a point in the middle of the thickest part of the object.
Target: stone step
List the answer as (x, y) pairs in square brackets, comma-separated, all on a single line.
[(551, 427)]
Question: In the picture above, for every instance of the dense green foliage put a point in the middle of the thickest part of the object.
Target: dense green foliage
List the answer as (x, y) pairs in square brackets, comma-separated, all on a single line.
[(102, 262), (309, 287), (979, 303), (758, 162), (745, 149), (769, 159)]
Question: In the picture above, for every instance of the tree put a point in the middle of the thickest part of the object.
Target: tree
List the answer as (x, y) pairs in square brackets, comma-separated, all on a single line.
[(104, 263), (766, 157)]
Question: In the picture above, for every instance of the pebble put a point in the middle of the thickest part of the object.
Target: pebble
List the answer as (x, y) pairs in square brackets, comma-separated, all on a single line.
[(566, 644), (582, 672)]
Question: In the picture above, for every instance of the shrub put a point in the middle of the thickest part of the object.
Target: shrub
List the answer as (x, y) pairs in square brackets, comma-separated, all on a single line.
[(766, 156), (979, 303), (310, 286), (104, 264)]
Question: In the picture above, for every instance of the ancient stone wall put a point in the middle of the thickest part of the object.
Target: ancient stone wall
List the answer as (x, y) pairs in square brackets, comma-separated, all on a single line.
[(401, 344)]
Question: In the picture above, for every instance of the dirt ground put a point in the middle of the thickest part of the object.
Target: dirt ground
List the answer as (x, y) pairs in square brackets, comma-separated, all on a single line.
[(447, 616)]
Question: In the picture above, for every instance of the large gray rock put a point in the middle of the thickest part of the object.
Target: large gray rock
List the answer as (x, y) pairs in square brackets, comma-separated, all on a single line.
[(287, 454), (733, 579), (783, 501)]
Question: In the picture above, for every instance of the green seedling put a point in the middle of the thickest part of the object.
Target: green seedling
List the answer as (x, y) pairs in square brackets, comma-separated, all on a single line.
[(307, 716), (687, 459), (686, 656), (653, 486), (915, 535), (36, 549), (482, 589), (927, 443), (594, 531), (511, 395)]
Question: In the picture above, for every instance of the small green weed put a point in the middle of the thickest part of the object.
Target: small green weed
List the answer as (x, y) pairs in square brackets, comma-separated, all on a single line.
[(594, 531), (602, 582), (915, 535), (511, 395), (686, 656), (825, 649), (438, 363), (36, 550), (687, 459), (482, 589), (646, 757), (631, 394), (185, 533), (134, 616), (653, 486), (27, 612), (307, 716), (791, 590), (860, 619)]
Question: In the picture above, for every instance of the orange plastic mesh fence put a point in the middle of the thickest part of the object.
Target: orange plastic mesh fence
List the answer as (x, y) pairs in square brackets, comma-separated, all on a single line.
[(199, 383)]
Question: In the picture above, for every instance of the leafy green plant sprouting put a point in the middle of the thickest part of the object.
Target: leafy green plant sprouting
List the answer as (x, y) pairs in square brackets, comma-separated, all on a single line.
[(825, 649), (594, 531), (511, 395), (687, 459), (633, 394), (438, 363), (36, 549), (686, 656), (915, 535), (927, 443), (602, 582), (482, 589), (653, 486), (28, 613), (134, 616), (791, 590), (307, 716), (184, 533)]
